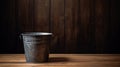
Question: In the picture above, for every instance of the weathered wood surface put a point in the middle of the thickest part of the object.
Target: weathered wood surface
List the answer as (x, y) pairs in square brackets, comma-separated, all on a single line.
[(63, 60), (79, 26)]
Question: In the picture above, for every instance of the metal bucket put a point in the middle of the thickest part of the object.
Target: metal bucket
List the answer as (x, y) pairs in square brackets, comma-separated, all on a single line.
[(36, 46)]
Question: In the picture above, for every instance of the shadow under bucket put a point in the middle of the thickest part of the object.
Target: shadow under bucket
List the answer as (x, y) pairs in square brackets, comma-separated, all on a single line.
[(36, 46)]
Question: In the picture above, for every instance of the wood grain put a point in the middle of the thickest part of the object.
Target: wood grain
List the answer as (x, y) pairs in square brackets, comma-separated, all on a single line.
[(84, 25), (79, 26), (114, 28), (23, 16), (63, 60), (57, 25), (7, 26), (41, 15), (71, 25), (101, 24)]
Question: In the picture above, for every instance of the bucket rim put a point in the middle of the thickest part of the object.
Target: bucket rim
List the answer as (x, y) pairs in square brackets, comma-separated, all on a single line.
[(35, 33)]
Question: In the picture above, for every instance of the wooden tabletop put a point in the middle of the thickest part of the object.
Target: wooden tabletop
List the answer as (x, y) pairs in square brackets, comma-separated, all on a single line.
[(63, 60)]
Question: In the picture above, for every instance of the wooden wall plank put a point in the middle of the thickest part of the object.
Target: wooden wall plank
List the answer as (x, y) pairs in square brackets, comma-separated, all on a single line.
[(102, 22), (114, 28), (85, 21), (71, 25), (23, 16), (12, 37), (8, 25), (57, 25), (41, 15), (91, 28)]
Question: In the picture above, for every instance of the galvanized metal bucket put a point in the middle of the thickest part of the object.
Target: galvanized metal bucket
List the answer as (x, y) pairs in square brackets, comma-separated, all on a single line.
[(36, 46)]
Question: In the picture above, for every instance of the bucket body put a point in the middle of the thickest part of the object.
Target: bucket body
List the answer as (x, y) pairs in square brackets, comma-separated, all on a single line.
[(36, 46)]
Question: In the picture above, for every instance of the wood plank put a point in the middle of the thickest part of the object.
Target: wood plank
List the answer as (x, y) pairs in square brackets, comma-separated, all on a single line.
[(12, 58), (57, 25), (84, 21), (101, 23), (30, 15), (63, 60), (91, 28), (23, 16), (85, 26), (114, 29), (11, 35), (8, 26), (54, 58), (99, 36), (82, 64), (41, 15), (71, 25)]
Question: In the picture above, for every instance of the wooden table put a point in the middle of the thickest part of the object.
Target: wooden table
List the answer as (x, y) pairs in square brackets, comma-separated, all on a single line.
[(63, 60)]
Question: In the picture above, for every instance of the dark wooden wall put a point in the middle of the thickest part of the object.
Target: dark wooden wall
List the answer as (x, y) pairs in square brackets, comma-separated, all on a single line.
[(79, 26)]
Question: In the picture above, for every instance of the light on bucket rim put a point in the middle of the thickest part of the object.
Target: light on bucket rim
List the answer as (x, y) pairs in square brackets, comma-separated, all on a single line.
[(36, 33)]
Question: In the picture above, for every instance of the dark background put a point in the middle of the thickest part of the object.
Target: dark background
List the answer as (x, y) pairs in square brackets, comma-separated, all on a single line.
[(79, 26)]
